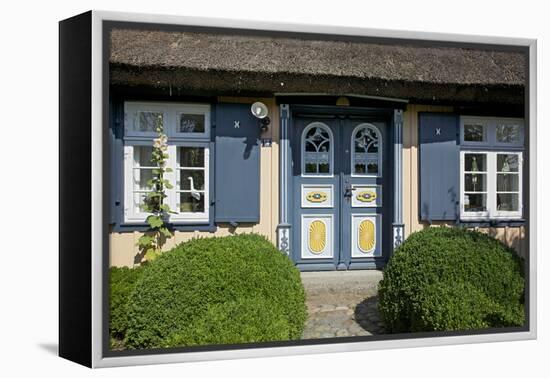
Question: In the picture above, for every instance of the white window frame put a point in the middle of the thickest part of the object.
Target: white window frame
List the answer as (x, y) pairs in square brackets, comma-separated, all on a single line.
[(490, 131), (171, 112), (492, 213), (379, 154), (331, 152), (176, 139)]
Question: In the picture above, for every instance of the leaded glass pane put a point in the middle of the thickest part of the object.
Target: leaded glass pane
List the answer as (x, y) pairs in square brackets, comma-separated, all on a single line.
[(148, 121), (317, 157), (508, 133), (474, 133), (191, 123), (366, 151)]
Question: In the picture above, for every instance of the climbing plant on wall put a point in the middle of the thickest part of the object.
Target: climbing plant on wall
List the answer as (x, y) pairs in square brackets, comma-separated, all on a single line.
[(151, 243)]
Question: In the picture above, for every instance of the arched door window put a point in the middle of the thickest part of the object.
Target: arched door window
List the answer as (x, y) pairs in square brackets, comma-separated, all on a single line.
[(366, 147), (317, 150)]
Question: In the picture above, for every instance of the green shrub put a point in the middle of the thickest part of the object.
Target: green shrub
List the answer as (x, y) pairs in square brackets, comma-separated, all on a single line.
[(445, 278), (122, 282), (233, 289)]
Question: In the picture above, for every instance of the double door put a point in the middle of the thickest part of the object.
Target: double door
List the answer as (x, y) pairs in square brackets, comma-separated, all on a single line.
[(340, 213)]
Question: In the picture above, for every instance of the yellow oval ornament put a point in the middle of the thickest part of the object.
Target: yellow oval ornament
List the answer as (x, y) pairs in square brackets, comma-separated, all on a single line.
[(367, 237), (316, 197), (317, 239), (366, 196)]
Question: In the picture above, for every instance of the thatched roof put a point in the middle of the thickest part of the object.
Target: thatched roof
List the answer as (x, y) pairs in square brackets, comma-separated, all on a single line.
[(266, 64)]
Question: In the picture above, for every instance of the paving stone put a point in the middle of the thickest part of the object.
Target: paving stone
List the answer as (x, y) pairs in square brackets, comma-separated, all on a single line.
[(343, 305)]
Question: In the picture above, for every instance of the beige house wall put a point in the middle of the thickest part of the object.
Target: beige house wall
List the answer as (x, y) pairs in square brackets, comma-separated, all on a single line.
[(511, 236), (123, 248)]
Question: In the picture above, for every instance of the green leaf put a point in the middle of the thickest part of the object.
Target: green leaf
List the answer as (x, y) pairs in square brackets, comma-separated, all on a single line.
[(168, 170), (168, 185), (144, 241), (151, 254), (166, 232), (154, 221)]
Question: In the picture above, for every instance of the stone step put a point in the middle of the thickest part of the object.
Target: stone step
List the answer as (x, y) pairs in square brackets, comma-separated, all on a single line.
[(360, 282)]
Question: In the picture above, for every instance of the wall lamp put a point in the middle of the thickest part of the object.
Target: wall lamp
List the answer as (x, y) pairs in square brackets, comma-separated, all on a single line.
[(260, 111)]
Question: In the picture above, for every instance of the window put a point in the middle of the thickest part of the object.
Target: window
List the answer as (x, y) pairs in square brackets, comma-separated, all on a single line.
[(366, 151), (491, 185), (491, 162), (188, 129), (317, 150)]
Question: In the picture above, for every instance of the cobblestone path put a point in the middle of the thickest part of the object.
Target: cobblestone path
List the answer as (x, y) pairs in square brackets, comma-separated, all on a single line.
[(342, 304)]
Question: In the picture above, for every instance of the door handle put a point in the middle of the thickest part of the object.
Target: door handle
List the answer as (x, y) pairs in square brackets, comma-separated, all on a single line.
[(348, 191)]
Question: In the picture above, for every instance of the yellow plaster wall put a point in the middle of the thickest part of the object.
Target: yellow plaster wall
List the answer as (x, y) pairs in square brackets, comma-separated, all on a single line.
[(123, 250)]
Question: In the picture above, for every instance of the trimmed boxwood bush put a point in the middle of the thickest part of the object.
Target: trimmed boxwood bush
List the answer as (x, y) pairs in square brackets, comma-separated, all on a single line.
[(232, 289), (122, 282), (443, 279)]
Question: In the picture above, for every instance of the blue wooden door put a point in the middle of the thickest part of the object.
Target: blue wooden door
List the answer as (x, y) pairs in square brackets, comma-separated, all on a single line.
[(339, 165), (366, 198)]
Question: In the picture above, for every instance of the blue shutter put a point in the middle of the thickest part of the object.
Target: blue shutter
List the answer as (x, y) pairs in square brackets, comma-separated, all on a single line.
[(237, 164), (116, 120), (439, 166)]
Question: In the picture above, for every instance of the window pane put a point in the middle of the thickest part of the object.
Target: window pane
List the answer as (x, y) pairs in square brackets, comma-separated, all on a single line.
[(360, 168), (475, 182), (190, 178), (141, 177), (507, 182), (191, 202), (191, 123), (324, 168), (366, 140), (509, 133), (142, 156), (475, 162), (317, 151), (474, 133), (191, 156), (507, 202), (507, 163), (475, 202), (372, 167), (148, 121), (311, 168), (139, 201)]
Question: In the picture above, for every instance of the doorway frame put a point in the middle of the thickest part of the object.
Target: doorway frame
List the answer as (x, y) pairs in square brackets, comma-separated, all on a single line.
[(392, 111)]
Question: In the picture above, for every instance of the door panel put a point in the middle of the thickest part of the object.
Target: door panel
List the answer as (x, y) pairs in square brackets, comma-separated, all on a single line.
[(316, 191), (364, 169), (341, 219)]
